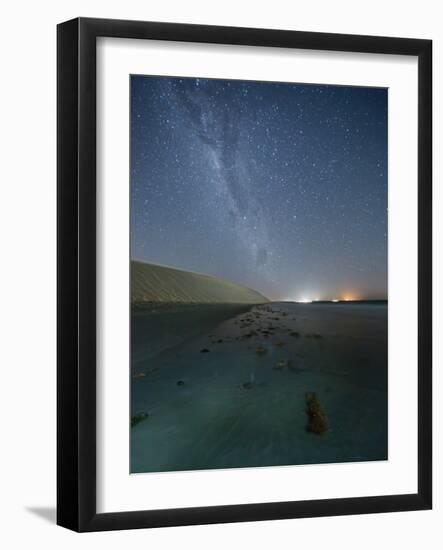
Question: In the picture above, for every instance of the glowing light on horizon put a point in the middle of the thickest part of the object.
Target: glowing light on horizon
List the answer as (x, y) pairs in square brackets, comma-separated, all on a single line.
[(349, 297), (305, 301), (312, 299)]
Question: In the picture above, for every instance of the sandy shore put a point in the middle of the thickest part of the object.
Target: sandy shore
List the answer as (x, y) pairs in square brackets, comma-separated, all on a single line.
[(223, 387)]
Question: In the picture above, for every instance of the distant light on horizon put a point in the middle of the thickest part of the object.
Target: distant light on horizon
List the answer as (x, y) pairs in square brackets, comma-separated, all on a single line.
[(311, 300), (305, 300), (349, 297)]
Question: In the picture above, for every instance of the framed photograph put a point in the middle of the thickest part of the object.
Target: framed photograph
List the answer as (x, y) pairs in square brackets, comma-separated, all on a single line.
[(244, 274)]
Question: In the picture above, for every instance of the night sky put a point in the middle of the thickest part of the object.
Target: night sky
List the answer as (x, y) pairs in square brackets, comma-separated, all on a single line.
[(280, 187)]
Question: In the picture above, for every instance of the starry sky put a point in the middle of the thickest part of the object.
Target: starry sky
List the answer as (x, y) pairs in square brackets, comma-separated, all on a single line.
[(281, 187)]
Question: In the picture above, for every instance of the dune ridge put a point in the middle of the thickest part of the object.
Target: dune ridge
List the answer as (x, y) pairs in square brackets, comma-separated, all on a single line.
[(156, 283)]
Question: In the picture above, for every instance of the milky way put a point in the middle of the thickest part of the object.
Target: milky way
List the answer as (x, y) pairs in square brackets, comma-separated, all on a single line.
[(281, 187)]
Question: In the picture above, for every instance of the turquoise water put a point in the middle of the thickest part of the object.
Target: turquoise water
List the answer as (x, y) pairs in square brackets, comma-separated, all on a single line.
[(230, 407)]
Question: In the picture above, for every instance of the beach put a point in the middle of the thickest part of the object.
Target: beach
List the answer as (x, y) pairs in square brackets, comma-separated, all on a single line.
[(225, 385)]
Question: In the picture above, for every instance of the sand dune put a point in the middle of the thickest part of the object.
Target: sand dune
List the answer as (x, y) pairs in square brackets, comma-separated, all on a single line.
[(155, 283)]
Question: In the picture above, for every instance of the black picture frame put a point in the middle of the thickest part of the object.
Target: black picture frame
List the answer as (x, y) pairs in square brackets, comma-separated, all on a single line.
[(76, 265)]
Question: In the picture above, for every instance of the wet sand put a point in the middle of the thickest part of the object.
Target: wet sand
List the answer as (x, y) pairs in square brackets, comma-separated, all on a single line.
[(225, 386)]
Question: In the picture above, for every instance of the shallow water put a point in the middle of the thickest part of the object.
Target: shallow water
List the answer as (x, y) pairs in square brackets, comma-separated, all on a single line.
[(230, 407)]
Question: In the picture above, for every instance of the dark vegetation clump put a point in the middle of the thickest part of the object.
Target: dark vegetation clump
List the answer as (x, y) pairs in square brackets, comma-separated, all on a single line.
[(137, 418), (317, 419), (180, 383), (204, 350)]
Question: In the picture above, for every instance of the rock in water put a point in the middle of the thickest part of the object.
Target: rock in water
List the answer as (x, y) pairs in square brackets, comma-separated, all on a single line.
[(282, 364), (136, 419), (318, 421)]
